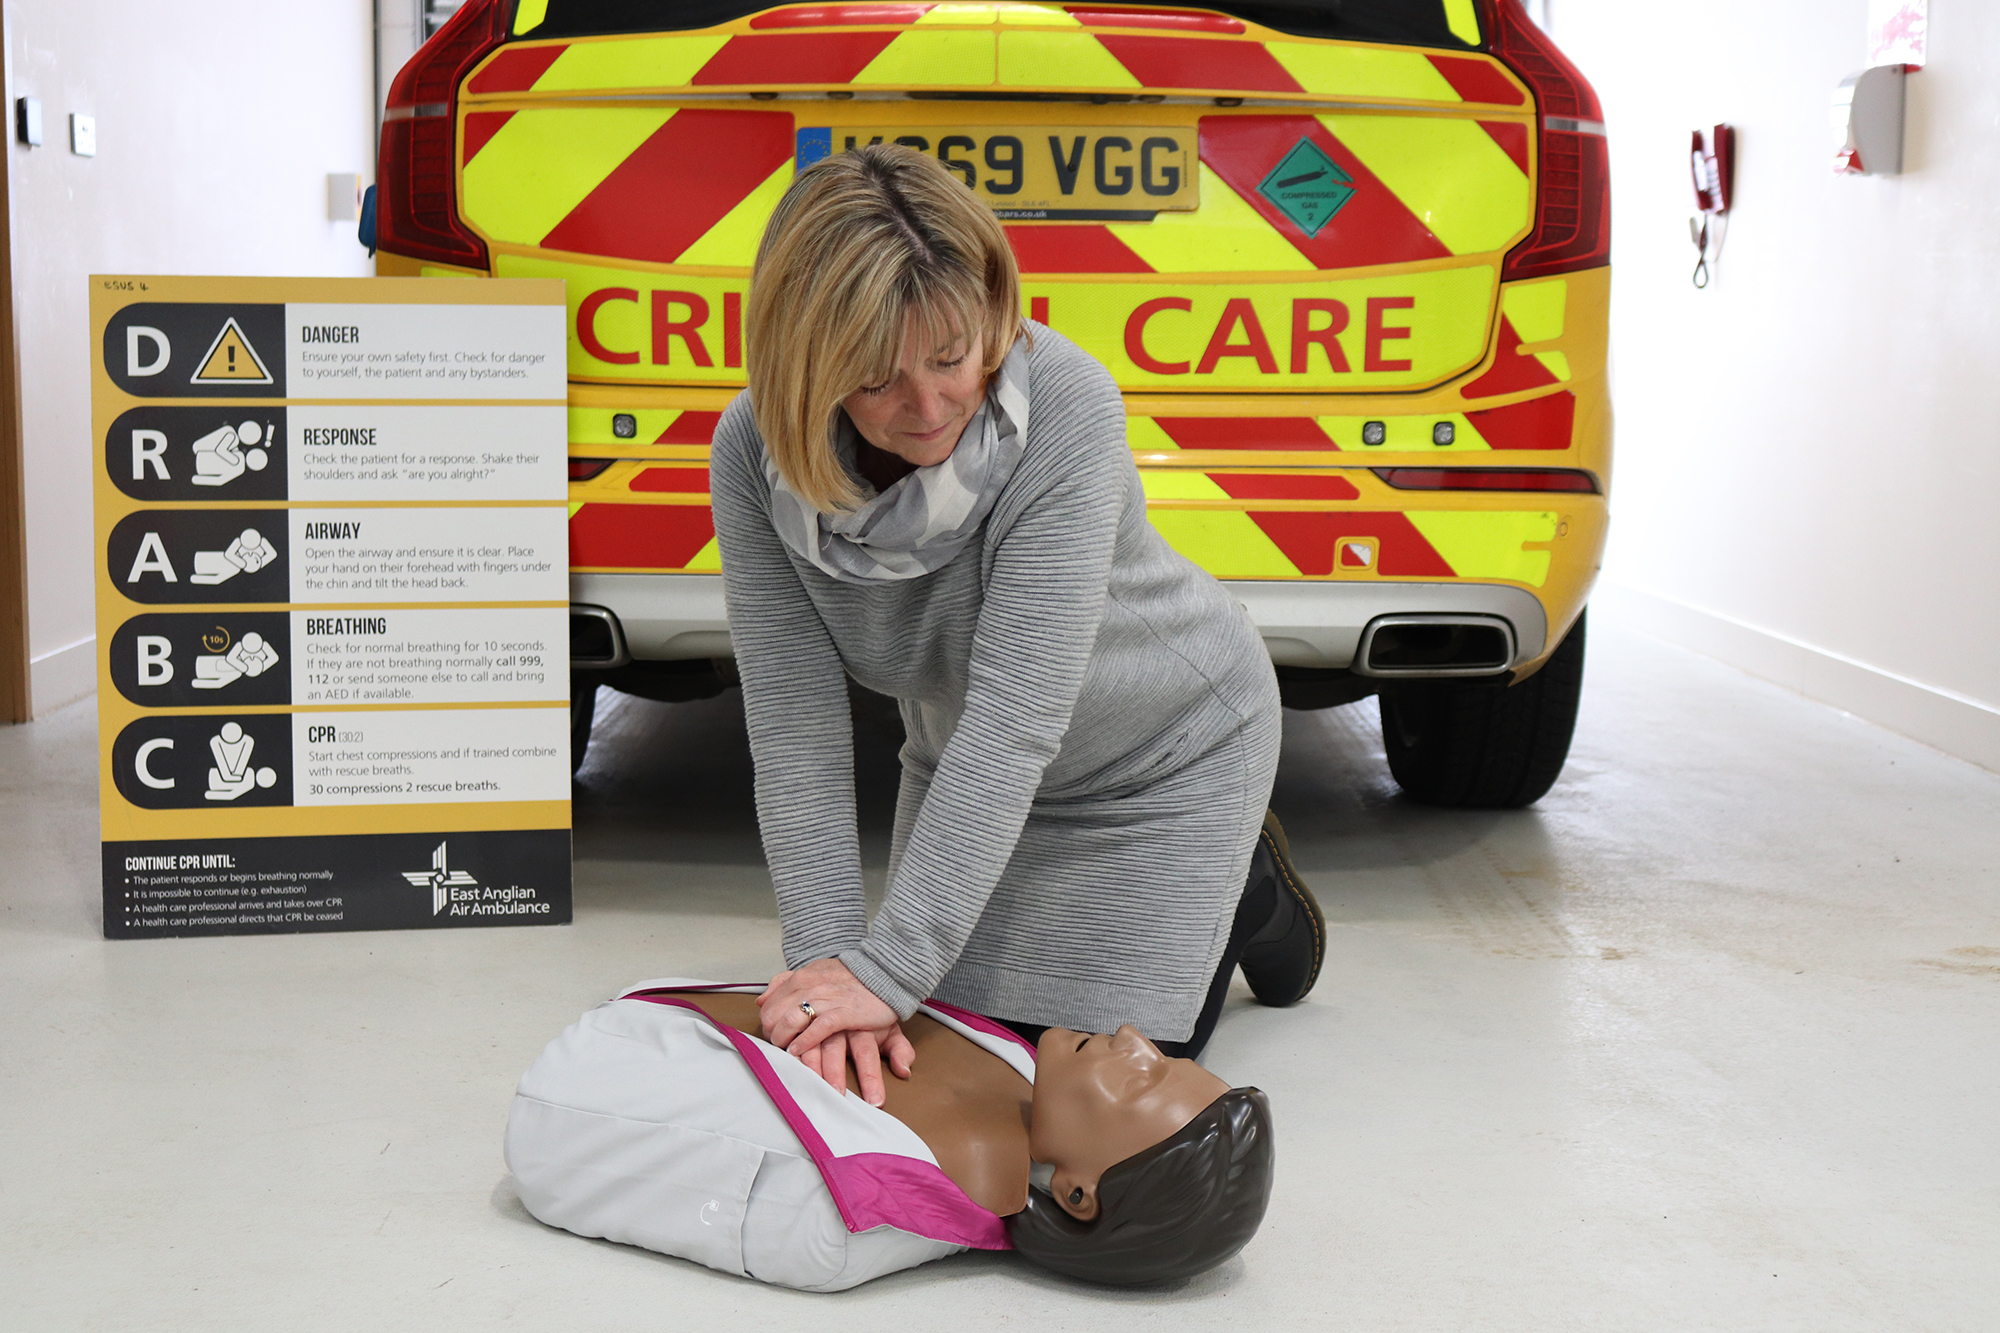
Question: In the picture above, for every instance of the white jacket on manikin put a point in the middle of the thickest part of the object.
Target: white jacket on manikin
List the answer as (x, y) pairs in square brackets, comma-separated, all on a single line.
[(647, 1122)]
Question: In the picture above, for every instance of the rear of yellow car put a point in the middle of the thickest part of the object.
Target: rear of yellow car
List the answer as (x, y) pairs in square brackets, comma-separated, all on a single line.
[(1348, 263)]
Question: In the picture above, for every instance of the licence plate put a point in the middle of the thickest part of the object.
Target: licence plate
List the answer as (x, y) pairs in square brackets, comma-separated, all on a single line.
[(1046, 172)]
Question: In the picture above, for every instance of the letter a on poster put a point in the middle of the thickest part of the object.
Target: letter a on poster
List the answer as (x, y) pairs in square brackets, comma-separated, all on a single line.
[(332, 604)]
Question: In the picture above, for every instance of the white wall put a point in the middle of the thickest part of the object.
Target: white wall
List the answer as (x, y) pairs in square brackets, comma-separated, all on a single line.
[(1809, 451), (217, 123)]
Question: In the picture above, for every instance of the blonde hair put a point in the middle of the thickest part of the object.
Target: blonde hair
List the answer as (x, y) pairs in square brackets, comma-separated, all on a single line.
[(864, 244)]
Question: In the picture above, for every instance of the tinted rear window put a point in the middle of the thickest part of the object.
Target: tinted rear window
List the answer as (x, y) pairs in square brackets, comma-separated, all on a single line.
[(1407, 22)]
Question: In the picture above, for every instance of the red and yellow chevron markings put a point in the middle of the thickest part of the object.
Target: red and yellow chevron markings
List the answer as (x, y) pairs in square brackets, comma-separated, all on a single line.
[(625, 538), (572, 167), (955, 46), (1262, 526), (592, 180), (1232, 294), (1386, 324), (1531, 322), (643, 513), (639, 502), (1287, 524), (1525, 425), (1248, 487)]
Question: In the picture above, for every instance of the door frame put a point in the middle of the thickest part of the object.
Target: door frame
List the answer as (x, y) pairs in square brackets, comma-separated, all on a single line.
[(16, 703)]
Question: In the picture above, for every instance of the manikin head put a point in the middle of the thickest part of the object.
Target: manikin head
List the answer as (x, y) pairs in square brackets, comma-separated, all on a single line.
[(1160, 1169)]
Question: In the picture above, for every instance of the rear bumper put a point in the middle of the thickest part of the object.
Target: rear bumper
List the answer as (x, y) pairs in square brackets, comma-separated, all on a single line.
[(1317, 625), (652, 617)]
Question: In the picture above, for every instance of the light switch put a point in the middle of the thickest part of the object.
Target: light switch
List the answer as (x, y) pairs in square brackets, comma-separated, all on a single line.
[(343, 196), (83, 135), (28, 120), (1868, 123)]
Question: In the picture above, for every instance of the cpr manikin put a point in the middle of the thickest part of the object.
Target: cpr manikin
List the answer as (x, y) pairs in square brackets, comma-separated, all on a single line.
[(661, 1119)]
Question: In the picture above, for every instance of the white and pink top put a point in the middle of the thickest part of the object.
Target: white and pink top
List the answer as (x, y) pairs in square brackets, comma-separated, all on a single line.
[(649, 1123)]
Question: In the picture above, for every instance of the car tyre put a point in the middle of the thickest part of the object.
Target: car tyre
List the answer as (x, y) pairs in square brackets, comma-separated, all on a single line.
[(1473, 745), (582, 712)]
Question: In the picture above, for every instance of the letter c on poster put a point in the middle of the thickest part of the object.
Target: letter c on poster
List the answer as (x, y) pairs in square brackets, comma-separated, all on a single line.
[(163, 351), (145, 773)]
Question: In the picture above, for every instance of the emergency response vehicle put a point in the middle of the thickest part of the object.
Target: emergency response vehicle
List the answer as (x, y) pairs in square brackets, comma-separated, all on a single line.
[(1347, 260)]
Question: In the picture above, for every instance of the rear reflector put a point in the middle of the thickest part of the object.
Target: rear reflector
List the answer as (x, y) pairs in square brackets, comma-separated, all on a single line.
[(1486, 479), (583, 469)]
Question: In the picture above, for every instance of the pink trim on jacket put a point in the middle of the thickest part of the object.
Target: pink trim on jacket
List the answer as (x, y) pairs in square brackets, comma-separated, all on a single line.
[(870, 1189), (981, 1023)]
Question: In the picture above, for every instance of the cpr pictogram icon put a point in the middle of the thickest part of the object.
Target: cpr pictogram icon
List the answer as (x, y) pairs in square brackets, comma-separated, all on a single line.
[(230, 359)]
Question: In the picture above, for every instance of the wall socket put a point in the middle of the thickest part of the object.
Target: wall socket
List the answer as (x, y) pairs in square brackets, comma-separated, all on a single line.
[(82, 134)]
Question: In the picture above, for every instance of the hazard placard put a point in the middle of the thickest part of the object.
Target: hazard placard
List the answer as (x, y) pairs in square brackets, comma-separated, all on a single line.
[(1308, 187), (332, 604), (231, 359)]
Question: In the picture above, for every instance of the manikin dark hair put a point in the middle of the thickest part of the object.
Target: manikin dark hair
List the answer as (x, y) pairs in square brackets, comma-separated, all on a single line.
[(1184, 1205)]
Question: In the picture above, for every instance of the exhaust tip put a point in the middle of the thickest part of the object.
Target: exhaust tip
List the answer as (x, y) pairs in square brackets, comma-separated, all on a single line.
[(1435, 645), (595, 638)]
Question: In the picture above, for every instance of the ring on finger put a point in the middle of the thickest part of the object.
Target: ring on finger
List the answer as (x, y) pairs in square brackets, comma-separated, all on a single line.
[(806, 1007)]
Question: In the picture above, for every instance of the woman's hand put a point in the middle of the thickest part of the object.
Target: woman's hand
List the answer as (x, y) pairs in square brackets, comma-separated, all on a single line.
[(868, 1049), (848, 1020)]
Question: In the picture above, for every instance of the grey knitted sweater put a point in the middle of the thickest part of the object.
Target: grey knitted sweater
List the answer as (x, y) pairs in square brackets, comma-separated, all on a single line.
[(1063, 666)]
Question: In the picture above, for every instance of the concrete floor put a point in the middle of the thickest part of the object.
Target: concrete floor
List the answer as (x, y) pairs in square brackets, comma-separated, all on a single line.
[(1707, 1040)]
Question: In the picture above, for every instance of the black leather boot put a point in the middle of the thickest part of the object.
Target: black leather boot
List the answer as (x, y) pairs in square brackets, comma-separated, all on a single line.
[(1281, 961)]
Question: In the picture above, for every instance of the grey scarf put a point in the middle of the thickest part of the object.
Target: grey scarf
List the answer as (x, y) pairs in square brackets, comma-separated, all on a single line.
[(921, 522)]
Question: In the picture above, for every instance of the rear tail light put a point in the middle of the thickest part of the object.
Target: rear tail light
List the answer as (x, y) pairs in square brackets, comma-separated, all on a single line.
[(417, 213), (583, 469), (1487, 479), (1573, 204)]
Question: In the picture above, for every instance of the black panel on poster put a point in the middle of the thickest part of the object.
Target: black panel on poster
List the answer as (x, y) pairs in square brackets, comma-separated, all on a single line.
[(201, 555), (198, 453), (205, 762), (204, 659), (372, 881), (196, 350)]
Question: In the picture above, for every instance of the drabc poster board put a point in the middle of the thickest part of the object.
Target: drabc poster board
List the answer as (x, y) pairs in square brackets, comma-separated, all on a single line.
[(332, 603)]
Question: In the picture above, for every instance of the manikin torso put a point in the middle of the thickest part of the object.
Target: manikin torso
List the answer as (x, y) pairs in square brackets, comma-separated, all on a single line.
[(968, 1106)]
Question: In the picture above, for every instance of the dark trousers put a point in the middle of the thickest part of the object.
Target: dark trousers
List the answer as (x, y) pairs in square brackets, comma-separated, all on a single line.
[(1253, 910)]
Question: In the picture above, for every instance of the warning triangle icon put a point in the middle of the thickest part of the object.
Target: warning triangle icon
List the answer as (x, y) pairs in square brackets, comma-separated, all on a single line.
[(231, 360)]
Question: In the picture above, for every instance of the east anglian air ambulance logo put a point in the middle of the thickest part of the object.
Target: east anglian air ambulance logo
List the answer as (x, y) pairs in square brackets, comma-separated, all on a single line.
[(441, 879)]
